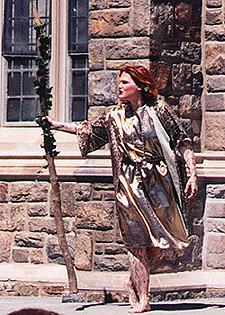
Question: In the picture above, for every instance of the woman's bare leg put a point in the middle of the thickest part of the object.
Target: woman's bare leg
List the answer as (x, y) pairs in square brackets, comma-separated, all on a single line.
[(139, 280)]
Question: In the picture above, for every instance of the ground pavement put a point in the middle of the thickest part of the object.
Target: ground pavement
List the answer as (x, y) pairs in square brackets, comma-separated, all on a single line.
[(185, 307)]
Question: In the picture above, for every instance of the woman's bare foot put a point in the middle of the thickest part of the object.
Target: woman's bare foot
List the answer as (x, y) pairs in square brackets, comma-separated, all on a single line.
[(140, 308), (133, 299)]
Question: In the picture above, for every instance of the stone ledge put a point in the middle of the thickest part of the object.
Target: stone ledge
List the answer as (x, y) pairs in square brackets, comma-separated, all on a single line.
[(50, 273)]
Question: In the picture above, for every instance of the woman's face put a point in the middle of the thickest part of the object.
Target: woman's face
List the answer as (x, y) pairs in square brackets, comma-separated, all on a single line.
[(128, 90)]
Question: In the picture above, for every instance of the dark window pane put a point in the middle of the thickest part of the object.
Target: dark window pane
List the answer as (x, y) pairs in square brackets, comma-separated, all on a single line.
[(82, 8), (78, 26), (13, 110), (79, 108), (79, 82), (19, 34), (78, 48), (14, 83), (79, 87), (79, 62), (20, 84), (28, 86), (82, 31), (29, 109)]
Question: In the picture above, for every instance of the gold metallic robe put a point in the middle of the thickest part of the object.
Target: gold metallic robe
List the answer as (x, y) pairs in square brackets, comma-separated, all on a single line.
[(149, 192)]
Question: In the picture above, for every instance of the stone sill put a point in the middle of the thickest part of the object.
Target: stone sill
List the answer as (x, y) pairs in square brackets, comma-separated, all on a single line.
[(112, 281), (24, 163)]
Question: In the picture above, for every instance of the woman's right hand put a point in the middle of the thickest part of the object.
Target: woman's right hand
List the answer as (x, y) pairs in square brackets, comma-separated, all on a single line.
[(50, 122)]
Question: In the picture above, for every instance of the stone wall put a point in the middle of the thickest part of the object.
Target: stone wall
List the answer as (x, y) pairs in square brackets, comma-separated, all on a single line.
[(28, 233), (214, 227), (213, 132), (163, 35)]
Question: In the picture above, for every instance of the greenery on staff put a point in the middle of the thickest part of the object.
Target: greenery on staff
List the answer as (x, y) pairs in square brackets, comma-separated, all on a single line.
[(41, 86)]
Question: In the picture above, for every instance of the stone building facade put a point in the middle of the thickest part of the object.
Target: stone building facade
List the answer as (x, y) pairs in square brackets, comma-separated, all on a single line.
[(183, 43)]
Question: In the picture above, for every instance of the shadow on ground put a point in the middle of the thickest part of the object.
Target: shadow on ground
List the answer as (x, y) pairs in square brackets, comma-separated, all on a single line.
[(163, 307)]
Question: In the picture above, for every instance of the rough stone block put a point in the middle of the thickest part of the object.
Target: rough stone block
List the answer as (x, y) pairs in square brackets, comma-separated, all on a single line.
[(141, 17), (216, 33), (3, 192), (161, 71), (104, 237), (162, 17), (182, 78), (216, 83), (96, 55), (215, 243), (42, 225), (37, 210), (83, 250), (29, 240), (54, 252), (214, 3), (5, 246), (190, 106), (216, 191), (26, 290), (37, 256), (171, 56), (85, 296), (53, 290), (132, 48), (214, 134), (109, 249), (187, 33), (111, 263), (214, 17), (71, 193), (215, 225), (94, 215), (214, 58), (103, 88), (214, 102), (119, 3), (97, 4), (114, 249), (117, 64), (183, 12), (215, 261), (20, 255), (110, 23), (31, 192), (191, 52), (12, 217)]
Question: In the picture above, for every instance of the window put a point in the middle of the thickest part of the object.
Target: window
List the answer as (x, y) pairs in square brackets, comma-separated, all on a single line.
[(78, 53), (67, 21), (19, 50)]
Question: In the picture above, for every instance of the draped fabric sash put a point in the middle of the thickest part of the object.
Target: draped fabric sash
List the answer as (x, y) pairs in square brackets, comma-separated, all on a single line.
[(167, 151)]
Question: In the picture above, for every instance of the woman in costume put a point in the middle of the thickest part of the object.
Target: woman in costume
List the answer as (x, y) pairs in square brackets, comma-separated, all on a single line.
[(147, 144)]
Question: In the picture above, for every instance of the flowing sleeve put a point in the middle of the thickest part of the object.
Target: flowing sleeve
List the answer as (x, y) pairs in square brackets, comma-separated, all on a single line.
[(173, 126), (92, 136)]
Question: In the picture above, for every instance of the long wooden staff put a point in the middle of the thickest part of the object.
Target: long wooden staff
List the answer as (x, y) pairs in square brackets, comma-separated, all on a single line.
[(41, 85)]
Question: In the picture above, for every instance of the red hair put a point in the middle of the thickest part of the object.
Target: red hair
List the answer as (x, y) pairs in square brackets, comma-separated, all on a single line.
[(143, 78)]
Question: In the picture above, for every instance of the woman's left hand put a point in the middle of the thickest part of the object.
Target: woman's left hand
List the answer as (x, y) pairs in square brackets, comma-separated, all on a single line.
[(191, 187)]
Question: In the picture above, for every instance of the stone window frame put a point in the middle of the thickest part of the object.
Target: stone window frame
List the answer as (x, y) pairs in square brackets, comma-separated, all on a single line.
[(20, 152)]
